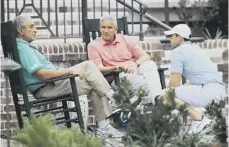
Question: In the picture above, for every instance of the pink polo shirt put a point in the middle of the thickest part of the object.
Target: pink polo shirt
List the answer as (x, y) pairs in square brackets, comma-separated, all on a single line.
[(121, 51)]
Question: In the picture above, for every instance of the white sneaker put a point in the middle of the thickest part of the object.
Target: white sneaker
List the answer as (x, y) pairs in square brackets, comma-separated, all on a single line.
[(197, 126), (116, 110), (108, 131)]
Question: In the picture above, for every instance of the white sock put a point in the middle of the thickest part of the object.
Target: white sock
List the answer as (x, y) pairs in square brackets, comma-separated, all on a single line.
[(103, 123)]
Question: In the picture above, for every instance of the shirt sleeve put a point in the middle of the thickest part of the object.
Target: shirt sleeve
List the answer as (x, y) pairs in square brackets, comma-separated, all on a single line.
[(135, 48), (93, 54), (30, 59), (176, 62)]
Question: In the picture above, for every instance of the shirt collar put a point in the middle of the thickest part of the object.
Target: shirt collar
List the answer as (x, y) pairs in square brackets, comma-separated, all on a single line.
[(24, 41), (185, 43), (117, 40)]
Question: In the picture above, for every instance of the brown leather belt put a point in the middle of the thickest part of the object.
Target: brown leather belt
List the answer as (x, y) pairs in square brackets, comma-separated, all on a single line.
[(38, 89)]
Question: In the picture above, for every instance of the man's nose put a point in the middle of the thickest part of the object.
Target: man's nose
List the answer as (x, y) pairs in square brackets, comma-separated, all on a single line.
[(35, 30), (106, 29)]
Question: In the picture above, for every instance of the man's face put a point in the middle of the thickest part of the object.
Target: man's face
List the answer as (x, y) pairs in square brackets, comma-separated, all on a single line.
[(29, 31), (108, 30), (174, 40)]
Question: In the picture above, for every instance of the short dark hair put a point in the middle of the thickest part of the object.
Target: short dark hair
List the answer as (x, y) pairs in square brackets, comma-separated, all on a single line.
[(185, 39), (188, 39)]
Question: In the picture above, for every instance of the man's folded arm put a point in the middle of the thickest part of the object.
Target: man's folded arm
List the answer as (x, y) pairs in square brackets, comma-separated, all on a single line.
[(94, 56), (137, 51), (107, 69), (143, 58), (45, 74)]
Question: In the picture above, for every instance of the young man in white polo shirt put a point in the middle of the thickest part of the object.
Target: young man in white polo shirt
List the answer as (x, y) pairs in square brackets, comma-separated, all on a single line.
[(204, 81)]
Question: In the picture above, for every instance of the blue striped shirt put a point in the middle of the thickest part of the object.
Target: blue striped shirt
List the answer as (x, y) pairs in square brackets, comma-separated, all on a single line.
[(191, 61)]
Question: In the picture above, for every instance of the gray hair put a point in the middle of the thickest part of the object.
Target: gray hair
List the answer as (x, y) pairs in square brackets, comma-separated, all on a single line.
[(19, 22), (109, 17)]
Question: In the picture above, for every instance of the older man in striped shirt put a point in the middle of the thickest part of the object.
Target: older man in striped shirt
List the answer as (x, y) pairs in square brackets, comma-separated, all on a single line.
[(204, 81)]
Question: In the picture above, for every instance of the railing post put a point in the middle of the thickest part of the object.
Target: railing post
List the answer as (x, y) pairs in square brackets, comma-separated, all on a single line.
[(141, 34), (166, 12), (84, 14), (2, 11)]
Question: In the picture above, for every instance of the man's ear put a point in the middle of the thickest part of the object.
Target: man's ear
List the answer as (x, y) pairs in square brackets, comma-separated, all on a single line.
[(180, 38), (20, 31), (116, 30)]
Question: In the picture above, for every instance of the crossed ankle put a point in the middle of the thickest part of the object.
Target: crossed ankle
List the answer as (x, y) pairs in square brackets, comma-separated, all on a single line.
[(110, 94)]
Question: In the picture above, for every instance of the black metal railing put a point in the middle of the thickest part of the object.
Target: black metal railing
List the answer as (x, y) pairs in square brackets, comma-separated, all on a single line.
[(63, 18), (145, 14), (56, 19), (141, 10)]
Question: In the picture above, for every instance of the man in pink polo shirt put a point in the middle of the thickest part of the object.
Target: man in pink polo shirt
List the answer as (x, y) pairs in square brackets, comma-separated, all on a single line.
[(114, 51)]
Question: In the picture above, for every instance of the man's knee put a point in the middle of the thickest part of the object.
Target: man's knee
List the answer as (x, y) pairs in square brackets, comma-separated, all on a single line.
[(148, 66), (89, 64)]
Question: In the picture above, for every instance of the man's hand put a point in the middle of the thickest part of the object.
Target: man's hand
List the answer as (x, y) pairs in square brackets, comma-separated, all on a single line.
[(129, 68), (77, 72), (132, 68), (122, 68)]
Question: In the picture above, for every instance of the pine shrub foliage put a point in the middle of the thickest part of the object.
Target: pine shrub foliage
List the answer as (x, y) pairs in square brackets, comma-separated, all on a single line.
[(42, 132)]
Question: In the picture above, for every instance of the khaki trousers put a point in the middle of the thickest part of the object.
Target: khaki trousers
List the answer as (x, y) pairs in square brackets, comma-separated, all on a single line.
[(146, 77), (94, 85)]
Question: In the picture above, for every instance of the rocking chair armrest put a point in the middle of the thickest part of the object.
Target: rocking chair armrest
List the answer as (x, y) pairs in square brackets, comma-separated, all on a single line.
[(162, 69), (115, 72), (53, 80), (162, 76)]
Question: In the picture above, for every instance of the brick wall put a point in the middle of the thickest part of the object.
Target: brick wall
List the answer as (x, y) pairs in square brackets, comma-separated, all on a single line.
[(69, 54)]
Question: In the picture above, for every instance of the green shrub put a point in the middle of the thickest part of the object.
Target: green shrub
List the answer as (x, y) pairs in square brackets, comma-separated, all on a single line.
[(217, 111), (155, 126), (42, 132)]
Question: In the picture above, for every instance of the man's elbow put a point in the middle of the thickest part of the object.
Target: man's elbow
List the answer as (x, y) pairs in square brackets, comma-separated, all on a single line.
[(147, 57), (41, 75), (45, 77)]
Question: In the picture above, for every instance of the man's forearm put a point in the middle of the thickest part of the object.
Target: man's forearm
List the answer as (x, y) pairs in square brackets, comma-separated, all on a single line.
[(175, 79), (108, 69), (45, 74), (173, 84), (143, 59)]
